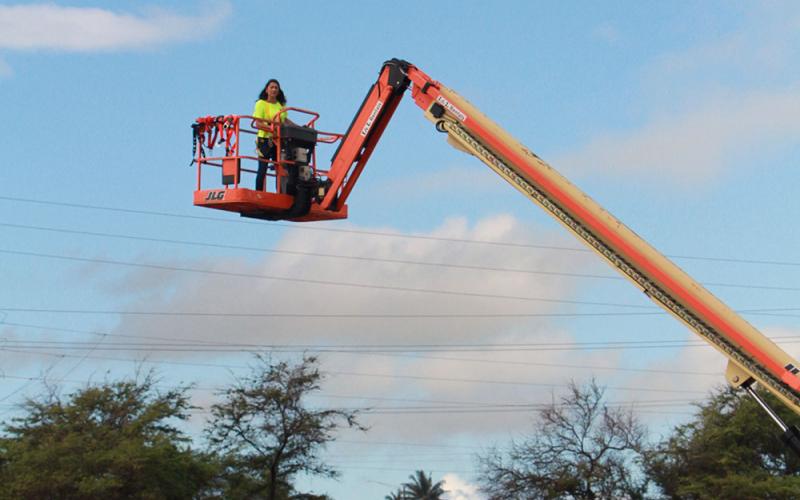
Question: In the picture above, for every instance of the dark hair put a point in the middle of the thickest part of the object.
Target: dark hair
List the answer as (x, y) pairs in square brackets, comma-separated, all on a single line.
[(263, 95)]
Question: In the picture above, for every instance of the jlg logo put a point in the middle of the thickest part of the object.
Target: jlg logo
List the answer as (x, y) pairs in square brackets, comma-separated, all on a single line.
[(371, 118), (215, 195)]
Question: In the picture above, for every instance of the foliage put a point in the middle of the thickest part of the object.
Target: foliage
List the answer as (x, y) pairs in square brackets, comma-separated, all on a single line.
[(396, 495), (581, 449), (419, 487), (730, 450), (422, 487), (113, 440), (267, 435)]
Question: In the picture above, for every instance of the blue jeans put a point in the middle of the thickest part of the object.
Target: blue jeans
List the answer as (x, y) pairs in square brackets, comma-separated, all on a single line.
[(266, 151)]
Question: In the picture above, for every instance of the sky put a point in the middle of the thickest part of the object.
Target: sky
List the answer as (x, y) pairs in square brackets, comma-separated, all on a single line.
[(447, 305)]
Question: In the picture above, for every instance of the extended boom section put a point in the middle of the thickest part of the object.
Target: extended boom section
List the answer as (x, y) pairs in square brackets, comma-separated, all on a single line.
[(752, 356)]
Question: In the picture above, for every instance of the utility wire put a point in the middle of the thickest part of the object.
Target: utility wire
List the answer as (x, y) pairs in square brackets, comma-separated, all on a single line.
[(373, 348), (371, 259), (104, 335), (353, 285), (413, 377), (457, 380), (307, 254), (380, 316), (412, 347), (287, 226), (307, 227), (430, 403), (320, 282), (393, 354)]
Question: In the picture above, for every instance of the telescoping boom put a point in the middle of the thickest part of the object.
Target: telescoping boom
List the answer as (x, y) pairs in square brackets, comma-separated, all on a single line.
[(752, 357)]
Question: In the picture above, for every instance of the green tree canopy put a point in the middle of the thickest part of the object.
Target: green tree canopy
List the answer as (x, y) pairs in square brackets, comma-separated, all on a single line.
[(267, 434), (731, 449), (113, 440)]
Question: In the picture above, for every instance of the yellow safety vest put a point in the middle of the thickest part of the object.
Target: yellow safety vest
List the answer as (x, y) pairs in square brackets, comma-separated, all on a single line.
[(266, 111)]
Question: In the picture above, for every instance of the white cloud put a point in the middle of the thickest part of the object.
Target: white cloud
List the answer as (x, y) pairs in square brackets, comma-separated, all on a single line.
[(764, 44), (84, 29), (446, 379), (699, 143), (459, 489), (204, 293), (707, 104)]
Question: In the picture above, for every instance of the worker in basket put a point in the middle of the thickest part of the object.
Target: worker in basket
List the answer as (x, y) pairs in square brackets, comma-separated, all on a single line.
[(271, 101)]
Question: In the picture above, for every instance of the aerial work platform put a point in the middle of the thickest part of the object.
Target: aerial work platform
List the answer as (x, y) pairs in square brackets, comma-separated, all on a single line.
[(293, 186)]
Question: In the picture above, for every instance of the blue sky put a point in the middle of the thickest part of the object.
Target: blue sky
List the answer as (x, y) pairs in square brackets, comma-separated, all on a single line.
[(679, 117)]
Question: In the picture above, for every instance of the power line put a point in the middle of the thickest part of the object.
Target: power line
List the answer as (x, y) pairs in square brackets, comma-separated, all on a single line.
[(209, 346), (449, 379), (393, 354), (409, 445), (161, 347), (300, 349), (437, 411), (470, 408), (396, 354), (372, 259), (380, 316), (406, 347), (373, 233), (321, 282), (308, 254), (285, 225), (429, 403), (499, 382)]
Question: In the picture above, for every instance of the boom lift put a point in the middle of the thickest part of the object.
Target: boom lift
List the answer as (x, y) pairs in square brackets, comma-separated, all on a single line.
[(322, 195)]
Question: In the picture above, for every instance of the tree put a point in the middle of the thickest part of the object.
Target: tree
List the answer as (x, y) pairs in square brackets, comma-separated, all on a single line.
[(581, 449), (396, 495), (730, 450), (113, 440), (266, 434), (422, 487)]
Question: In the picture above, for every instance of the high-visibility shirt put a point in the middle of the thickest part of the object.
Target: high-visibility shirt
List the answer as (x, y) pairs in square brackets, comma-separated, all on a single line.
[(266, 111)]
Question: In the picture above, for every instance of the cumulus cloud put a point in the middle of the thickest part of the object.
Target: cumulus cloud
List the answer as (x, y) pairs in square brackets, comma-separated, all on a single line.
[(764, 43), (298, 292), (454, 392), (708, 105), (84, 29), (448, 395), (446, 379), (459, 489)]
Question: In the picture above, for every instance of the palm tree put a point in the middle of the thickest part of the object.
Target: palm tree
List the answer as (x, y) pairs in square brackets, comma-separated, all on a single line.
[(421, 487), (397, 495)]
